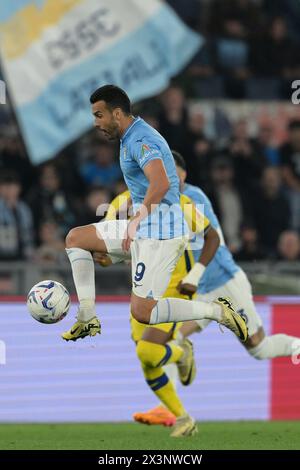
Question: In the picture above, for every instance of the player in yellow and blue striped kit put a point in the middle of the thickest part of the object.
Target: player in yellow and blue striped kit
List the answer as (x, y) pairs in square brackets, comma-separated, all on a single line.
[(156, 347)]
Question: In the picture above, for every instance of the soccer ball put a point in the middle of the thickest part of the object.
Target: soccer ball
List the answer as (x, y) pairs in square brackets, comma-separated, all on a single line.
[(48, 301)]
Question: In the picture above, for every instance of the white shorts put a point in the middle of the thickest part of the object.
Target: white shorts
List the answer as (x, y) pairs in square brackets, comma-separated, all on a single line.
[(239, 291), (152, 261), (112, 232)]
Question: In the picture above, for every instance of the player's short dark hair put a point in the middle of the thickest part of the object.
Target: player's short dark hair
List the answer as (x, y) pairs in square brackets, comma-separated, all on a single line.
[(113, 96), (179, 160)]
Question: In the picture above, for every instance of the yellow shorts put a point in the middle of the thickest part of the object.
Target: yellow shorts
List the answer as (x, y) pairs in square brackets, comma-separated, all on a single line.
[(137, 328)]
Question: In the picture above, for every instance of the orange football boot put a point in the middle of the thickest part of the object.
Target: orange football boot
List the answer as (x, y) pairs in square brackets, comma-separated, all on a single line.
[(158, 415)]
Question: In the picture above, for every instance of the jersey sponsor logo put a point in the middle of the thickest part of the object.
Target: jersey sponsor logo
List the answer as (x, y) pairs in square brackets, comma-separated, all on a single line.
[(147, 152), (145, 148)]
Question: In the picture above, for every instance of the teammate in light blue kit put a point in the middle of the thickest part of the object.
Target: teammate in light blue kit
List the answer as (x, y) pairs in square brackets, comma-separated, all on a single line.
[(222, 268), (156, 235), (222, 276)]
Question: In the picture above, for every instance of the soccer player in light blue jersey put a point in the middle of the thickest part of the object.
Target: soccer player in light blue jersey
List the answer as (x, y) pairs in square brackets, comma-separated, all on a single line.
[(154, 238)]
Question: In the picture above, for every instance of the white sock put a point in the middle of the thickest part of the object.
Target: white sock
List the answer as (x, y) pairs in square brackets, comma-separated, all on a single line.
[(275, 346), (84, 279), (175, 310), (172, 373)]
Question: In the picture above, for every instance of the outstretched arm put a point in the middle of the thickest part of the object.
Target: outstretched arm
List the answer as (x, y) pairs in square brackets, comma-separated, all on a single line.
[(189, 283), (158, 187)]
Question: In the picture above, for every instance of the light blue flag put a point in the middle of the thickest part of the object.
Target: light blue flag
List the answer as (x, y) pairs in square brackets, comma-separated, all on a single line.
[(56, 52)]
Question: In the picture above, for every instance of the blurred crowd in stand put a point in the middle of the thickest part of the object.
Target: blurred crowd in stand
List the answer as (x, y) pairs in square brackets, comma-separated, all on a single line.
[(251, 52)]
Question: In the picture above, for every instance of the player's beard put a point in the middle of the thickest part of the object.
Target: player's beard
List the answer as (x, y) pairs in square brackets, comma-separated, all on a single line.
[(112, 132)]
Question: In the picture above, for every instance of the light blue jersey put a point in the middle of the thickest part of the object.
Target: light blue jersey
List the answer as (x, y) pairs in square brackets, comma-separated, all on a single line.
[(141, 144), (222, 267)]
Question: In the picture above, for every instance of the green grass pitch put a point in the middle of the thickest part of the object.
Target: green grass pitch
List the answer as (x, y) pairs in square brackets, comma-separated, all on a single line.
[(129, 436)]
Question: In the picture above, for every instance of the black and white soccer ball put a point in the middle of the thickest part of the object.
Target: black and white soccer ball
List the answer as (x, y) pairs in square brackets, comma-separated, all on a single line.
[(48, 301)]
